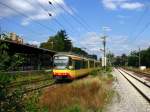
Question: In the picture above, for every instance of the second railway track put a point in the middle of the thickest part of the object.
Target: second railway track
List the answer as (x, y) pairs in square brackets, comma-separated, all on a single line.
[(30, 86), (141, 87), (39, 87), (27, 82)]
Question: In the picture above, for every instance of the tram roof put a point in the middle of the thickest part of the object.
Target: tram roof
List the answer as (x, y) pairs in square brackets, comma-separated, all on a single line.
[(74, 56)]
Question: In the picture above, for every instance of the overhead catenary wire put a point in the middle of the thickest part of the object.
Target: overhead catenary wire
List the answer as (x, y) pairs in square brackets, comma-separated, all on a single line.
[(86, 25), (142, 31), (63, 17), (134, 38), (139, 22), (79, 17), (24, 15), (17, 24), (73, 17), (50, 15)]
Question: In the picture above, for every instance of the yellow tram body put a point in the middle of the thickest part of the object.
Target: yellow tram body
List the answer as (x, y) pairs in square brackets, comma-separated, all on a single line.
[(68, 66)]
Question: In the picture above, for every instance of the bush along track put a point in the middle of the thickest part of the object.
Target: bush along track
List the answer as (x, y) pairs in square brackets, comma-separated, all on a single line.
[(14, 100), (90, 94), (10, 102)]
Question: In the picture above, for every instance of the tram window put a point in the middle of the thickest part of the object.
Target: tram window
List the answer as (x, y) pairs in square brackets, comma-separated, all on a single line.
[(96, 64), (91, 64), (70, 62), (77, 65), (85, 64)]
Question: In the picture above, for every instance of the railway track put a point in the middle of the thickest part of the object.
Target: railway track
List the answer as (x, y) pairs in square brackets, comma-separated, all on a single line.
[(140, 79), (35, 89), (139, 85), (30, 86), (139, 72), (26, 82), (39, 87)]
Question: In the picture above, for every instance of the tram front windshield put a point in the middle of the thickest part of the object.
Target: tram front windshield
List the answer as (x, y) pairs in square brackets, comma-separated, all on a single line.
[(61, 62)]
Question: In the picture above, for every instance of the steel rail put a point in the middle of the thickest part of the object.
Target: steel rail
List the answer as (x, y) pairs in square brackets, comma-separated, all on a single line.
[(136, 78), (19, 83), (135, 86), (138, 72), (38, 88)]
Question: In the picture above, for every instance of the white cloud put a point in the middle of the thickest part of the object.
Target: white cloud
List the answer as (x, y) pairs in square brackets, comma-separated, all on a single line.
[(90, 39), (117, 44), (122, 4), (132, 6), (32, 8), (34, 42), (115, 40)]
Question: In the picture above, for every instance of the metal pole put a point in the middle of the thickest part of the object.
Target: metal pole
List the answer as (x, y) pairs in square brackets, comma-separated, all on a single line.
[(104, 44), (0, 32), (52, 44), (104, 50), (139, 57)]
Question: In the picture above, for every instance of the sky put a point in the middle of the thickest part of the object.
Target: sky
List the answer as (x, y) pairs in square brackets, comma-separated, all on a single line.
[(124, 22)]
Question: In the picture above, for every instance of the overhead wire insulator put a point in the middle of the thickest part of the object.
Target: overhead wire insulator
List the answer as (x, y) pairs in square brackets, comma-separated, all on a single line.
[(50, 2), (49, 14)]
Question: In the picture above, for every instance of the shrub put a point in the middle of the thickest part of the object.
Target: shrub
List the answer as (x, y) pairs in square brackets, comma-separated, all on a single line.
[(83, 96), (94, 73), (10, 102)]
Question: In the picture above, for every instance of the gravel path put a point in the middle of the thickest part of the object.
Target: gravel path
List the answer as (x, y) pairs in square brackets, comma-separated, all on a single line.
[(127, 98)]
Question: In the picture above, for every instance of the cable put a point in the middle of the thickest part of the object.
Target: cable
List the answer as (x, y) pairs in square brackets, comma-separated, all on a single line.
[(24, 15), (50, 15), (139, 21), (80, 18), (28, 29), (71, 15), (145, 27), (63, 17)]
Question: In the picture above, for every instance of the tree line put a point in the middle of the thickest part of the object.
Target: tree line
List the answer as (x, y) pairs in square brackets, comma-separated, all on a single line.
[(61, 43), (132, 59)]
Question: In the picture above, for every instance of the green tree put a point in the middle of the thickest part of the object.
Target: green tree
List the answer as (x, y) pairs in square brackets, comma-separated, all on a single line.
[(124, 59), (9, 101), (4, 36), (9, 61), (60, 42), (110, 58), (79, 51), (133, 59)]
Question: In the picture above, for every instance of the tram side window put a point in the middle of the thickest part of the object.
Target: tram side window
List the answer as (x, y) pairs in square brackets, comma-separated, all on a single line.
[(70, 62), (91, 64), (85, 64), (77, 64), (96, 64)]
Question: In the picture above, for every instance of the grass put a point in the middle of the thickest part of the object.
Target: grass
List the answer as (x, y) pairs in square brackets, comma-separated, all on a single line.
[(30, 76), (12, 99), (87, 95), (90, 94)]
